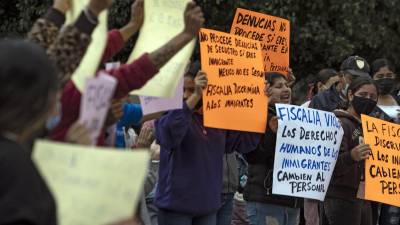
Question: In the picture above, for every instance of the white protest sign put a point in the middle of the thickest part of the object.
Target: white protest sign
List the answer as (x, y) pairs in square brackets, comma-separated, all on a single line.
[(92, 185), (307, 147), (152, 105), (95, 102)]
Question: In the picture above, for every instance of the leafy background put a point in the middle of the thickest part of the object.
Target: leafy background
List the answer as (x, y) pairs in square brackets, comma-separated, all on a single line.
[(323, 32)]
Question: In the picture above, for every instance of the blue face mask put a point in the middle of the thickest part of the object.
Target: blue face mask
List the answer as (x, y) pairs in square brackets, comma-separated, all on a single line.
[(52, 122)]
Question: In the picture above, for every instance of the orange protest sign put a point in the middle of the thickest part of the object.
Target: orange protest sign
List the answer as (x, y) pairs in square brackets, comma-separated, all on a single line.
[(272, 32), (382, 169), (234, 98)]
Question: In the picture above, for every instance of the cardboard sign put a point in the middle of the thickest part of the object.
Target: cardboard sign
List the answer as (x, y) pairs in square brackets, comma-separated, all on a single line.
[(152, 105), (91, 61), (163, 20), (307, 147), (91, 185), (272, 32), (234, 98), (96, 102), (382, 169)]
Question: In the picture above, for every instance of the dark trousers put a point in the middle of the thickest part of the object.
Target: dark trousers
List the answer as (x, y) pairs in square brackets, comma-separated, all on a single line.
[(174, 218), (347, 212)]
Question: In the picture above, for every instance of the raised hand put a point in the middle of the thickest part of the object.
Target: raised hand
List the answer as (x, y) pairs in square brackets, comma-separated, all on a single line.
[(200, 82), (194, 19), (62, 5), (97, 6)]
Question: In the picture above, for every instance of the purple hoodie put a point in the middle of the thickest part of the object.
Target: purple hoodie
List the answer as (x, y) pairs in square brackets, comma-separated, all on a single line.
[(191, 161)]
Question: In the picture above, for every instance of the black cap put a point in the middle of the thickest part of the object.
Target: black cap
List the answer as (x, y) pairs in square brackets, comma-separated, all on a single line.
[(356, 66)]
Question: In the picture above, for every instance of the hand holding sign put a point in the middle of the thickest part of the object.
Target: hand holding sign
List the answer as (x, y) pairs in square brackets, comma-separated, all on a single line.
[(62, 5), (361, 152), (200, 82), (194, 19), (98, 6), (137, 13)]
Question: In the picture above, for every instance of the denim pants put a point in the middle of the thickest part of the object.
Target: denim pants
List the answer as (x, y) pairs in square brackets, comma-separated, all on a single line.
[(224, 214), (269, 214), (390, 215), (166, 217)]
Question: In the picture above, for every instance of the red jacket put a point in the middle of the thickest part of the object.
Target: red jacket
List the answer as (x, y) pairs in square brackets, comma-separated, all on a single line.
[(130, 77)]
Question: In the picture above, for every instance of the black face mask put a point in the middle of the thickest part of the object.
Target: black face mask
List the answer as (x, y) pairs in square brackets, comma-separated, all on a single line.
[(363, 105), (385, 85)]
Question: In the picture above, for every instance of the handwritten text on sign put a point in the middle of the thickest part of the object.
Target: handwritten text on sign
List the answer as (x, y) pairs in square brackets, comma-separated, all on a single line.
[(91, 185), (234, 98), (307, 147), (382, 169), (95, 103), (273, 34)]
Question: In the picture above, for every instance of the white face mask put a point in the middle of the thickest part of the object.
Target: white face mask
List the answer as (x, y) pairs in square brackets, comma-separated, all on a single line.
[(345, 89)]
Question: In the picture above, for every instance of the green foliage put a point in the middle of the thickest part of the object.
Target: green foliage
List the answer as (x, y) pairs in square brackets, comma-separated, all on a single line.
[(323, 32)]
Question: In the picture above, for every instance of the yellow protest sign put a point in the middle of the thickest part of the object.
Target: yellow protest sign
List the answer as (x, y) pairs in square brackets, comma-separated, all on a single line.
[(92, 59), (234, 98), (90, 185), (272, 32), (382, 169), (163, 20)]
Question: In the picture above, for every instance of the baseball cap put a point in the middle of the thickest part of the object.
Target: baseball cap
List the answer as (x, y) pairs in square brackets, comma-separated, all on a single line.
[(356, 66)]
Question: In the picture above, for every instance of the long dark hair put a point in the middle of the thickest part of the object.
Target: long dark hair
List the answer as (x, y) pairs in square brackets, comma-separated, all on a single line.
[(28, 79), (270, 77), (381, 63), (358, 83)]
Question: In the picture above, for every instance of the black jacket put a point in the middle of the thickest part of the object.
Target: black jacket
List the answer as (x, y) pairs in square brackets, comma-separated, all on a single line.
[(24, 195), (347, 174), (328, 100), (260, 172)]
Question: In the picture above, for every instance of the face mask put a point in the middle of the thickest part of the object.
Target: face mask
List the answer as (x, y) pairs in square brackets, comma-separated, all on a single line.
[(52, 122), (385, 85), (199, 105), (363, 105)]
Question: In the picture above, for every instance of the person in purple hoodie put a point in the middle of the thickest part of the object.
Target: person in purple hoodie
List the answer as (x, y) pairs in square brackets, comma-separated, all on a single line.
[(191, 160)]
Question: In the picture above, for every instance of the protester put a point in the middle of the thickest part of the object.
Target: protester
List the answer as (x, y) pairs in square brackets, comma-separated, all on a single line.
[(335, 96), (341, 204), (387, 109), (191, 160), (388, 104), (263, 207), (323, 81), (20, 77)]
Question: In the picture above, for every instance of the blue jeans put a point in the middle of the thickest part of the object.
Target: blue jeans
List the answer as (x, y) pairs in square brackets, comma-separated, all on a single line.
[(268, 214), (166, 217), (390, 215), (224, 214)]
